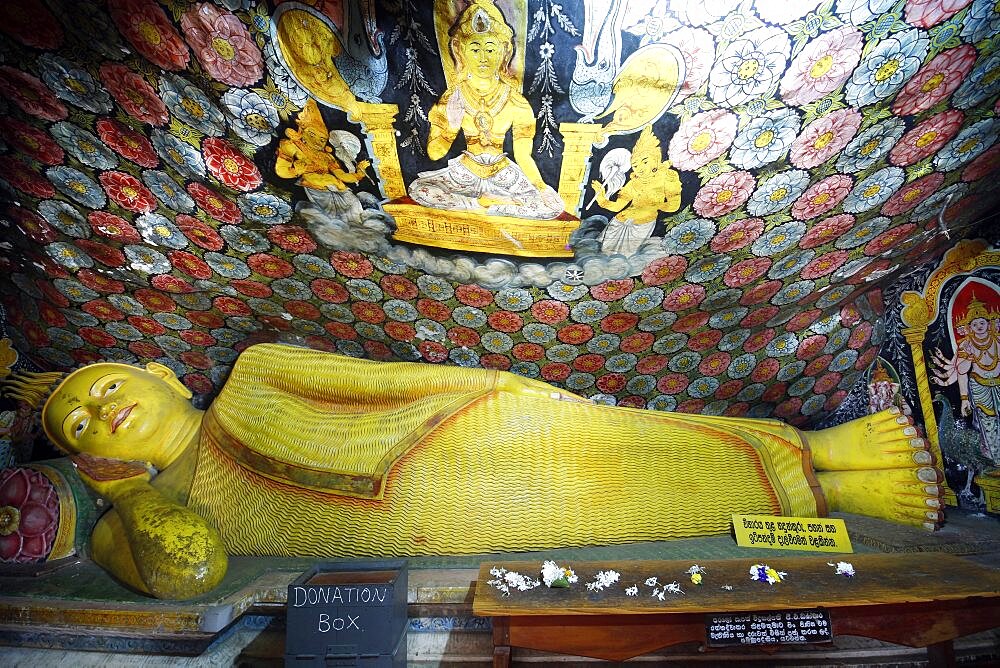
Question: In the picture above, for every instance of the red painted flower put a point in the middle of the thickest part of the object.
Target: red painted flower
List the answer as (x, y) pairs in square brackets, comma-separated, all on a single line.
[(50, 315), (102, 252), (148, 29), (100, 282), (684, 297), (759, 294), (31, 24), (887, 239), (758, 340), (505, 321), (692, 406), (746, 271), (861, 334), (850, 315), (268, 265), (196, 382), (433, 309), (230, 166), (826, 383), (377, 350), (729, 389), (198, 360), (291, 238), (432, 351), (128, 192), (146, 325), (128, 143), (866, 358), (611, 383), (704, 340), (474, 295), (329, 291), (737, 235), (811, 346), (609, 291), (134, 94), (935, 81), (550, 311), (926, 138), (231, 305), (690, 322), (663, 270), (206, 319), (556, 371), (463, 336), (145, 349), (340, 330), (589, 363), (912, 194), (37, 229), (222, 45), (788, 408), (739, 409), (616, 323), (29, 515), (368, 312), (400, 331), (818, 366), (190, 264), (803, 319), (252, 288), (927, 13), (113, 227), (576, 334), (822, 197), (398, 287), (715, 364), (155, 300), (724, 193), (214, 204), (352, 265), (102, 310), (301, 309), (96, 337), (672, 383), (823, 138), (199, 233), (30, 140), (638, 342), (632, 402), (652, 363), (31, 95), (827, 230), (169, 283), (197, 338), (495, 361), (775, 392), (986, 163), (24, 178), (825, 264)]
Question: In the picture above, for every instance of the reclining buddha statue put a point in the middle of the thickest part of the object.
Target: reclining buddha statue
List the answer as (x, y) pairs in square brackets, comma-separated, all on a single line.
[(307, 453)]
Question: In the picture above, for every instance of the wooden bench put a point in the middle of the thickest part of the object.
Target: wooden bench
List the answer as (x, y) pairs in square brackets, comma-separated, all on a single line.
[(917, 599)]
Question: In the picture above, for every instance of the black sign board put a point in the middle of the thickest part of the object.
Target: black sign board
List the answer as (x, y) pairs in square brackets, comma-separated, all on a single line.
[(781, 627)]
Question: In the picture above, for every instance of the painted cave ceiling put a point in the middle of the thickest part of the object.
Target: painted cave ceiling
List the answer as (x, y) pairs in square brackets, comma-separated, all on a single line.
[(670, 205)]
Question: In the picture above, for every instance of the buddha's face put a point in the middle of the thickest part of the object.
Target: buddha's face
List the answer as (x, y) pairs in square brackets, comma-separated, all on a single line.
[(483, 55), (118, 411)]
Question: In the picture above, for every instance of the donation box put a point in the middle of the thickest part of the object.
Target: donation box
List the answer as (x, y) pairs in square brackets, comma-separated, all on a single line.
[(348, 614)]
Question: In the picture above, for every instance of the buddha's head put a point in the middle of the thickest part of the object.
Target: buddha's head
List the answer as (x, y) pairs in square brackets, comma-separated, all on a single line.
[(122, 412), (482, 43)]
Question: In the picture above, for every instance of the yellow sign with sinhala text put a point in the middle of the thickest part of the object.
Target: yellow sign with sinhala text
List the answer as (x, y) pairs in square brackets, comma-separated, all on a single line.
[(812, 534)]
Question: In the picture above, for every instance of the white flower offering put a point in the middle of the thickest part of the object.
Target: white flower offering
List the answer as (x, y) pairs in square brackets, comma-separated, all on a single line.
[(844, 568), (632, 591), (554, 575), (603, 580), (764, 573), (506, 580)]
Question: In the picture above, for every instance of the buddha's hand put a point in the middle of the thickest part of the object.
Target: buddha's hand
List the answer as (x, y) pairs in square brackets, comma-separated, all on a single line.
[(110, 477)]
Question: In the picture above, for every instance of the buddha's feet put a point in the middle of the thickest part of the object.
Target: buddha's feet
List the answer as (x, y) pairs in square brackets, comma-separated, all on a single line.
[(879, 466)]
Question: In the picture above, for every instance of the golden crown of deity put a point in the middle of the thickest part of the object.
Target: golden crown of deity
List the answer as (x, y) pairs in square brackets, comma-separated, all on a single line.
[(977, 309), (482, 17)]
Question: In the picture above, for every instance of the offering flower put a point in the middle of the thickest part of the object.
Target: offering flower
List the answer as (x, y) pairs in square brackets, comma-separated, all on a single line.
[(764, 573), (554, 575), (696, 572), (844, 568), (672, 588), (632, 591), (603, 580), (506, 579)]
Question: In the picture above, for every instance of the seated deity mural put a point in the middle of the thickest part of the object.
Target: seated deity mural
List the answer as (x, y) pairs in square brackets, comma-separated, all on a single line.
[(309, 453)]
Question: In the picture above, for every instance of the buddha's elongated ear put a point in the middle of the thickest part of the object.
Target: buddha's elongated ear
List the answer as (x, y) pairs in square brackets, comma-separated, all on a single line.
[(169, 377)]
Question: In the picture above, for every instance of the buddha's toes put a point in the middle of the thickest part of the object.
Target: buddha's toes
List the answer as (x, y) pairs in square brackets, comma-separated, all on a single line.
[(907, 495)]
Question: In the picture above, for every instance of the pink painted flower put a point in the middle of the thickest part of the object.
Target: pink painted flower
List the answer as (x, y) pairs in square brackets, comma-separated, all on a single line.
[(825, 264), (222, 45), (935, 81), (134, 94), (697, 47), (822, 197), (685, 297), (702, 138), (824, 137), (550, 311), (888, 239), (31, 95), (672, 383), (985, 164), (737, 235), (29, 515), (927, 13), (822, 66), (912, 194), (214, 204), (746, 271), (31, 140), (926, 138), (147, 28), (726, 192), (827, 230), (608, 291), (663, 270), (230, 166)]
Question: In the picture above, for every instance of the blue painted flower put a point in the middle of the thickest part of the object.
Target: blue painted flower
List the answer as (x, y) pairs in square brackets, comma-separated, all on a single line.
[(844, 360), (308, 327), (708, 268), (171, 344), (645, 299), (222, 354), (264, 208), (84, 146), (78, 317), (117, 355), (146, 260), (430, 329), (886, 68), (190, 105), (388, 265), (371, 331), (643, 384), (265, 306), (874, 190), (350, 348), (684, 362), (77, 186), (749, 67), (791, 370), (621, 363), (982, 21), (65, 218), (313, 266), (74, 84), (729, 317), (868, 147), (252, 117), (469, 316), (69, 255), (497, 342), (982, 83), (793, 292), (969, 143), (589, 311), (782, 345), (530, 370), (243, 240), (742, 366), (226, 336), (537, 332), (734, 339), (849, 269), (791, 264), (365, 290), (180, 155), (765, 139), (244, 324), (604, 343), (168, 191), (670, 344), (562, 352), (813, 404), (464, 357), (779, 239), (752, 392), (721, 299), (290, 288), (405, 351), (837, 341), (193, 301), (400, 311), (55, 356), (285, 83), (64, 339), (565, 292), (337, 313), (580, 381), (778, 192), (657, 321), (862, 233), (159, 231), (128, 305), (438, 288), (931, 206), (834, 296), (703, 387), (227, 266), (172, 321), (688, 236), (802, 385), (513, 299)]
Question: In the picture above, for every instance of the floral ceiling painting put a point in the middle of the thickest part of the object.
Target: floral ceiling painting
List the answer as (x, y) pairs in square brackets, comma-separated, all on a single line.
[(685, 206)]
